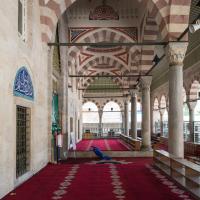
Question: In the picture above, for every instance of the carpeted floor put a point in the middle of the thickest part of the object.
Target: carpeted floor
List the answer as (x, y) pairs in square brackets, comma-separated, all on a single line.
[(85, 179), (103, 144)]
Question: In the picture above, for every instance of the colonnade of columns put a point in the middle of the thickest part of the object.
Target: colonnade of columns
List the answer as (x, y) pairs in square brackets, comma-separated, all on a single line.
[(175, 55)]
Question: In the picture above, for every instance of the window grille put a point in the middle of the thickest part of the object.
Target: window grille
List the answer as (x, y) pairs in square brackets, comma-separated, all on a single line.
[(22, 140), (22, 19)]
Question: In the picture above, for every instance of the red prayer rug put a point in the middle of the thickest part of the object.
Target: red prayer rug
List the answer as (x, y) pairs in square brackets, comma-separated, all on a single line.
[(86, 179), (103, 145)]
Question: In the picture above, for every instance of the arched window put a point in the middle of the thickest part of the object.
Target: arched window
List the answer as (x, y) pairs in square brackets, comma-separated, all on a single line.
[(194, 95), (90, 113), (163, 103), (111, 113), (163, 109), (197, 112), (165, 123), (156, 116), (197, 117), (185, 113)]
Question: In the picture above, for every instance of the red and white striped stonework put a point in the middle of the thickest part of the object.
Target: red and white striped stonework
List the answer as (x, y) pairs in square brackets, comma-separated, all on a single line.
[(51, 10), (150, 35), (171, 16)]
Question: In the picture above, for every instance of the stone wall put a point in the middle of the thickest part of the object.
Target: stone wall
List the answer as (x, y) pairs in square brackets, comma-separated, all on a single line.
[(33, 55)]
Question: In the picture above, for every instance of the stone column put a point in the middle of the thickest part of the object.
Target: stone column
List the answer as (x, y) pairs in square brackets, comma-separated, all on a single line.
[(146, 126), (126, 118), (134, 114), (152, 114), (191, 106), (176, 53), (63, 88), (161, 111), (122, 121), (100, 121)]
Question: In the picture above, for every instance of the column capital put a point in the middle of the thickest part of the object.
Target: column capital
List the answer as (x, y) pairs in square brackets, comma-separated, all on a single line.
[(133, 92), (100, 111), (126, 101), (175, 52), (192, 105), (145, 82)]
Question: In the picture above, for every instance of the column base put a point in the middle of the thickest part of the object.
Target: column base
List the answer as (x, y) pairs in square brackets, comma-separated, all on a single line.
[(146, 148)]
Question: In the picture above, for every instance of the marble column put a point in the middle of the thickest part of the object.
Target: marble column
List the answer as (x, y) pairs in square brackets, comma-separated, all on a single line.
[(146, 123), (161, 111), (175, 53), (134, 114), (123, 126), (64, 97), (100, 121), (152, 114), (126, 118), (191, 106)]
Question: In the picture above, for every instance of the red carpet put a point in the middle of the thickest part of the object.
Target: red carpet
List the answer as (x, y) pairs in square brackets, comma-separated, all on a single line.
[(133, 179), (103, 144)]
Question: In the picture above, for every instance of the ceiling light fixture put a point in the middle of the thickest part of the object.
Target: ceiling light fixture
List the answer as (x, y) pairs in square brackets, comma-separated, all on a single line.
[(194, 27)]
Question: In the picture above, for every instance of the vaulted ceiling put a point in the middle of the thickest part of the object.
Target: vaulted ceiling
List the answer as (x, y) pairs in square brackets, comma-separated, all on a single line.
[(103, 21), (96, 22)]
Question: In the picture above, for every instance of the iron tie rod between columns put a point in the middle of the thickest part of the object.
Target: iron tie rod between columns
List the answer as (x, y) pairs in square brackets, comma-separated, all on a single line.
[(111, 44)]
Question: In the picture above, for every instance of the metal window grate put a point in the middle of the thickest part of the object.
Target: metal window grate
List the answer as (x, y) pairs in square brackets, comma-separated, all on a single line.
[(23, 140)]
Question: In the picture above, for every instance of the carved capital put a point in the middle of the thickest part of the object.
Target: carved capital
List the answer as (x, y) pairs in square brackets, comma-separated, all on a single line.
[(145, 82), (100, 112), (192, 105), (176, 53), (126, 101), (133, 93)]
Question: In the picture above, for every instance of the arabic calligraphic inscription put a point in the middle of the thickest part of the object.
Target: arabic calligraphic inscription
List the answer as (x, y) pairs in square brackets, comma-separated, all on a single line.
[(23, 86)]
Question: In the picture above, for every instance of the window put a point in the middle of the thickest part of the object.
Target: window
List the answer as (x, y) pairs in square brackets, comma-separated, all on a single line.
[(111, 113), (90, 113), (22, 19), (22, 140)]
